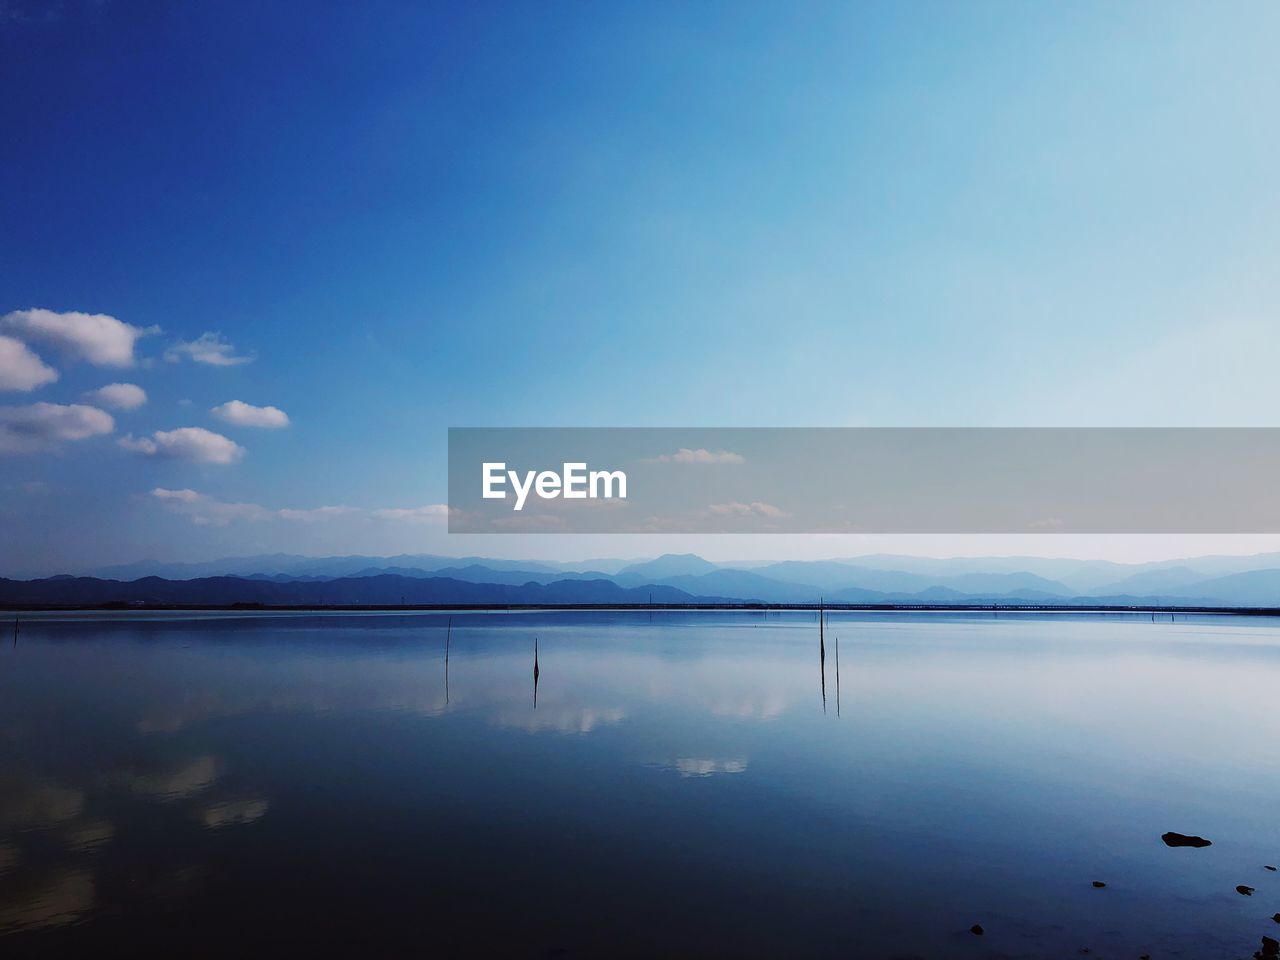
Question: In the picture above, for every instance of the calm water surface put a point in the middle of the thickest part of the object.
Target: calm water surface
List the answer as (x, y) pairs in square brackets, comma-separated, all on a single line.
[(182, 785)]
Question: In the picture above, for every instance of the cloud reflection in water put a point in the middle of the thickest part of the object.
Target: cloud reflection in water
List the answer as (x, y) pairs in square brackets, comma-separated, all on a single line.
[(705, 767), (233, 812)]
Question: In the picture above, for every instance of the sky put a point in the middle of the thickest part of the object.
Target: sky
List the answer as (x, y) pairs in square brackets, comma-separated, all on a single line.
[(316, 235)]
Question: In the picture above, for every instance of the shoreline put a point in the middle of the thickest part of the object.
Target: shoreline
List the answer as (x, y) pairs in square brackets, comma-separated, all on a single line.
[(652, 607)]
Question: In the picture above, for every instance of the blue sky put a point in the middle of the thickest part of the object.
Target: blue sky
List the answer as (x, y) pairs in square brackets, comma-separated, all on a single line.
[(405, 217)]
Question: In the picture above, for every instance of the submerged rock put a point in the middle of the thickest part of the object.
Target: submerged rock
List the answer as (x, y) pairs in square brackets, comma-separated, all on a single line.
[(1172, 839), (976, 930), (1276, 918), (1270, 947), (1099, 884), (1244, 891)]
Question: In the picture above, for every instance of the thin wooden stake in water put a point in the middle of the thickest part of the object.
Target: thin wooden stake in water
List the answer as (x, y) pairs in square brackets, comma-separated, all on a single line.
[(822, 654), (15, 631), (448, 635), (837, 677), (536, 671), (822, 635)]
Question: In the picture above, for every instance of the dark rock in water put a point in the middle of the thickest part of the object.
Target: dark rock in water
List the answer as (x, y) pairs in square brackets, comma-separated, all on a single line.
[(1172, 839), (1269, 867), (977, 930), (1270, 947), (1276, 918), (1099, 884), (1245, 891)]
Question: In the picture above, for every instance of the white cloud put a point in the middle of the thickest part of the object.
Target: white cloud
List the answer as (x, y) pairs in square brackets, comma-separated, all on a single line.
[(178, 496), (94, 337), (138, 444), (317, 513), (118, 396), (209, 348), (20, 369), (1048, 523), (753, 509), (194, 444), (700, 455), (205, 510), (528, 521), (41, 426), (247, 415), (431, 513)]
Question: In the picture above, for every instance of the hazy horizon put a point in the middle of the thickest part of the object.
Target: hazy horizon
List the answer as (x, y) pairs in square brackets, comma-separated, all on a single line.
[(764, 556)]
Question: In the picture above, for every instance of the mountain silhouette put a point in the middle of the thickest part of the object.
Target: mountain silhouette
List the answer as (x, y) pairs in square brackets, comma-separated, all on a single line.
[(672, 578)]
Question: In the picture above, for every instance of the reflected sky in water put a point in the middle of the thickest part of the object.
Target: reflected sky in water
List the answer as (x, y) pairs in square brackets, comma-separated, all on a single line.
[(686, 784)]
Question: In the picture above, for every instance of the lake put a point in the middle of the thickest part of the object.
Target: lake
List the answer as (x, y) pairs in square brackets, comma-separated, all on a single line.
[(678, 783)]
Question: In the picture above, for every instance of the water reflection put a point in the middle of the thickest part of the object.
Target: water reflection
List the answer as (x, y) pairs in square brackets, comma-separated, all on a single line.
[(750, 705), (399, 693), (559, 718), (186, 779), (315, 775), (87, 836), (56, 840), (57, 898), (837, 676), (691, 767), (28, 803), (822, 656), (233, 812)]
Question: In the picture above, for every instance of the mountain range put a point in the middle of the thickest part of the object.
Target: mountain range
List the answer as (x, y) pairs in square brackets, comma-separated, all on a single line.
[(673, 578)]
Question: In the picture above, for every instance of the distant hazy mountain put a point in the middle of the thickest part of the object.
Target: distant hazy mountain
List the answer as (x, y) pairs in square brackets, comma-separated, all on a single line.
[(1001, 584), (826, 576), (298, 566), (670, 565), (606, 565), (1075, 575), (1221, 566), (744, 585), (1239, 580), (384, 589), (1256, 588), (481, 573), (1158, 581), (829, 575)]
